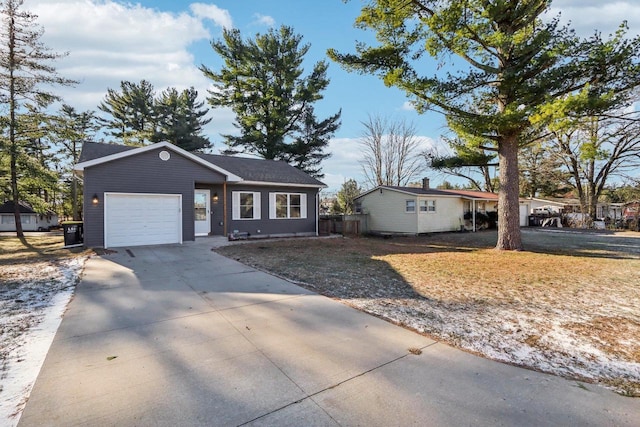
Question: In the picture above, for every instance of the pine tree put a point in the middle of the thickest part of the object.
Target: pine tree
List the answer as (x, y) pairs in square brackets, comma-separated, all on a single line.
[(262, 82), (518, 69), (25, 64), (180, 119), (131, 114)]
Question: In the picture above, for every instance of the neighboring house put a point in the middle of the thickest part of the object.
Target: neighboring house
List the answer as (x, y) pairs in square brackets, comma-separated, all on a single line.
[(160, 194), (30, 219), (416, 210), (631, 214), (566, 206)]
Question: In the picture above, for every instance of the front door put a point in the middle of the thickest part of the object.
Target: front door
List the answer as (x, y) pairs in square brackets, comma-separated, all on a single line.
[(201, 209)]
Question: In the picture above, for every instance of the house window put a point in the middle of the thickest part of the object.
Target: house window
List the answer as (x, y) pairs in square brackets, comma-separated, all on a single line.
[(410, 206), (427, 206), (287, 205), (8, 219), (245, 205), (25, 219)]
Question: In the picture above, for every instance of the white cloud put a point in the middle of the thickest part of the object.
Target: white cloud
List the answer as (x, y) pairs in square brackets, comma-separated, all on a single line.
[(408, 106), (221, 17), (587, 16), (110, 41), (264, 20)]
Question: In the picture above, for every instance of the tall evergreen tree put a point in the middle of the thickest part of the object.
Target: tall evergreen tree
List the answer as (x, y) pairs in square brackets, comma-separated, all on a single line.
[(262, 82), (346, 196), (131, 115), (180, 118), (25, 70), (518, 69), (471, 162), (306, 152), (69, 130)]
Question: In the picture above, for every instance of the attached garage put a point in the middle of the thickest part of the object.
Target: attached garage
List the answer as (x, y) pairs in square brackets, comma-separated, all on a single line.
[(134, 219)]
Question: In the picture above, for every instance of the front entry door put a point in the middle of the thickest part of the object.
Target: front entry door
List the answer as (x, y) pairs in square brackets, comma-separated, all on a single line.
[(201, 209)]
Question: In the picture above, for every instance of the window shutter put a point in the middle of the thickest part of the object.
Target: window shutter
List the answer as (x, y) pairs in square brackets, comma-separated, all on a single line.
[(256, 205), (235, 205), (303, 205), (272, 205)]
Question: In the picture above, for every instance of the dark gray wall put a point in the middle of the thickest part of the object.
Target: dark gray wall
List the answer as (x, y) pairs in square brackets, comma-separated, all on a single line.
[(273, 226), (143, 173), (146, 173)]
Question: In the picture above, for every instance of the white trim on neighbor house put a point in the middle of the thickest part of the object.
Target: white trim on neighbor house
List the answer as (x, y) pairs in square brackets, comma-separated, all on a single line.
[(235, 205), (408, 209), (179, 216), (411, 193), (82, 165), (429, 208)]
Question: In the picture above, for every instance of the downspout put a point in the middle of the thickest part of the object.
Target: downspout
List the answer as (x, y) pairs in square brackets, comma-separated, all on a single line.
[(317, 212), (224, 203), (473, 210)]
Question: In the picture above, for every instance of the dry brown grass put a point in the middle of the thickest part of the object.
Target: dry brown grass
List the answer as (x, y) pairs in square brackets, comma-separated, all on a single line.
[(36, 248), (587, 283)]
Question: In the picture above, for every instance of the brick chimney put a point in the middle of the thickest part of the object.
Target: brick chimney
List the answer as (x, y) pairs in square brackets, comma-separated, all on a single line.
[(425, 183)]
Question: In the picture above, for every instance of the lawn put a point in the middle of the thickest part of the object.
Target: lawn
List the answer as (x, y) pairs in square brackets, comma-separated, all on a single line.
[(568, 305), (37, 277)]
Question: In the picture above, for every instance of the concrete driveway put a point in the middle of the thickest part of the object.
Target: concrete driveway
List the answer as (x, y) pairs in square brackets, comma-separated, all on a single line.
[(181, 336)]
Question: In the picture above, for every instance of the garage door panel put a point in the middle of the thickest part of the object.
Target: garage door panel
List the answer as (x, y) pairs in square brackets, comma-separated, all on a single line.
[(142, 219)]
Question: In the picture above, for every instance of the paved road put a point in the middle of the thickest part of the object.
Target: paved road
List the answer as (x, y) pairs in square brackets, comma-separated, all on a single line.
[(180, 336)]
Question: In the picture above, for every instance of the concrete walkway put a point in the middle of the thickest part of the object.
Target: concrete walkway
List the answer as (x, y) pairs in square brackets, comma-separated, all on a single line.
[(180, 336)]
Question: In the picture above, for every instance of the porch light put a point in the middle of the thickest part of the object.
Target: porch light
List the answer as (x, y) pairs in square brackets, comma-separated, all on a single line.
[(215, 198), (95, 199)]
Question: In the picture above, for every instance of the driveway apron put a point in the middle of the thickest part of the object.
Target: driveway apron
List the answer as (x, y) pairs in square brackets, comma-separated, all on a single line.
[(178, 335)]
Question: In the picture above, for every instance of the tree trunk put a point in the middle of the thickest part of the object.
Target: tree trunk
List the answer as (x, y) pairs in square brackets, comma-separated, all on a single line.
[(16, 196), (509, 238)]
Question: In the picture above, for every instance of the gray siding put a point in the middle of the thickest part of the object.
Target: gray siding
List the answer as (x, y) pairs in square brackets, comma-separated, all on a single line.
[(273, 226), (143, 173)]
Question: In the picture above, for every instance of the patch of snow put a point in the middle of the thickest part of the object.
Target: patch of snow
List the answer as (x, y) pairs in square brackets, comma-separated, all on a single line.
[(32, 302), (504, 334)]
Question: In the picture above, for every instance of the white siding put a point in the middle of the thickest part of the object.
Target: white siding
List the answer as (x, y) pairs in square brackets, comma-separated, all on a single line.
[(525, 210), (386, 212), (29, 222), (447, 217)]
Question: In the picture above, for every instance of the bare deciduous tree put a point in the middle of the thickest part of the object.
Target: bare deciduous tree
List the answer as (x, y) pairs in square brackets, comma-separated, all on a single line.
[(596, 149), (391, 152)]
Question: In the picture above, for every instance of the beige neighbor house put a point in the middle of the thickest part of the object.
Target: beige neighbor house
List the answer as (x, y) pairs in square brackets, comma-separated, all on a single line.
[(416, 210)]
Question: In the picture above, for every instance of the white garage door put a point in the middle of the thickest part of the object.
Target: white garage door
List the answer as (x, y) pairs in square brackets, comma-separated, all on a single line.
[(142, 219)]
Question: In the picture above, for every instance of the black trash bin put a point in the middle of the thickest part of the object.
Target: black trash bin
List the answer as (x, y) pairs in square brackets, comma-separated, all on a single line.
[(73, 233)]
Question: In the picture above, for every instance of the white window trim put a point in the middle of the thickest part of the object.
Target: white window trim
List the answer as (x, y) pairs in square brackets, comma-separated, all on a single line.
[(426, 206), (303, 205), (406, 206), (235, 205)]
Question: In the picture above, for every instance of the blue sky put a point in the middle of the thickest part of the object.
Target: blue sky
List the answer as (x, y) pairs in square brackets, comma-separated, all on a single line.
[(164, 41)]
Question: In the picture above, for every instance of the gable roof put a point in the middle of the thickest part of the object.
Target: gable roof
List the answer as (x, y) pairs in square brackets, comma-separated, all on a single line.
[(97, 153), (419, 191), (261, 171), (236, 169), (8, 207), (472, 194)]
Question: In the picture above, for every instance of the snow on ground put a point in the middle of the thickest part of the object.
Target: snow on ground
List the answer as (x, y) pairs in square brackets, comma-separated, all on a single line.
[(33, 298), (533, 339)]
